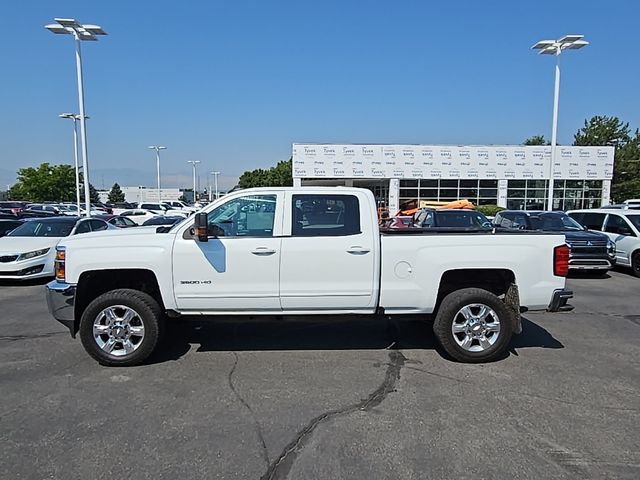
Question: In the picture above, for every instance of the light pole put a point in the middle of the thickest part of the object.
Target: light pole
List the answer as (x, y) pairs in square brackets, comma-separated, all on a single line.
[(157, 148), (75, 117), (194, 163), (215, 181), (69, 26), (555, 47)]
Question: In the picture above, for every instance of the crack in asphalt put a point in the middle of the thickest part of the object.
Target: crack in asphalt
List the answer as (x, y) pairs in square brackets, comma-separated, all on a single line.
[(14, 338), (281, 466), (258, 428)]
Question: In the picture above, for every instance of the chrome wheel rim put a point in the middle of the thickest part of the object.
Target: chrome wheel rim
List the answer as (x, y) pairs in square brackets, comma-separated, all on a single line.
[(118, 330), (476, 327)]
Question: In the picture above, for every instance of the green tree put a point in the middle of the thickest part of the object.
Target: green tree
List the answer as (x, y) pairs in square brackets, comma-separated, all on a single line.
[(116, 195), (611, 131), (45, 183), (278, 176), (93, 194), (535, 140)]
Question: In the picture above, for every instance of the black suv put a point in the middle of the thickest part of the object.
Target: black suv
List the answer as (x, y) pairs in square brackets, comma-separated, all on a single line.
[(590, 251)]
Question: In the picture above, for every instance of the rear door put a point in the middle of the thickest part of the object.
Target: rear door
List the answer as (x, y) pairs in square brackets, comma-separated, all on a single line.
[(329, 256)]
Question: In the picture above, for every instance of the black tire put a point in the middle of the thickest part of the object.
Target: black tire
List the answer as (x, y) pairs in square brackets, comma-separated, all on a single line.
[(448, 313), (635, 264), (149, 315)]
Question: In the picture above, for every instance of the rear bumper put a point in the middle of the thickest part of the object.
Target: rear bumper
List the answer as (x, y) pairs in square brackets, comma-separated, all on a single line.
[(590, 264), (61, 299), (559, 301)]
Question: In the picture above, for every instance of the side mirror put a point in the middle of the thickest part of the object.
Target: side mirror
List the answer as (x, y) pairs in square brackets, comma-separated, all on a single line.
[(201, 223)]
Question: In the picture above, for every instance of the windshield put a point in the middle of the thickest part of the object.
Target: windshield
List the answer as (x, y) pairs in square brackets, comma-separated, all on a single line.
[(554, 222), (43, 229)]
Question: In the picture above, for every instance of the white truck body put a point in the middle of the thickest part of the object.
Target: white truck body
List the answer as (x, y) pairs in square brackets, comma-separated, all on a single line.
[(362, 272)]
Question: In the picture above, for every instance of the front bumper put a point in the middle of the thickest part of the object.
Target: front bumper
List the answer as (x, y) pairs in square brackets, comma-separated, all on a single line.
[(559, 301), (61, 302)]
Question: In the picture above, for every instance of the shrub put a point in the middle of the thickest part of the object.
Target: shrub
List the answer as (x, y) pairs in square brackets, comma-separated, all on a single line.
[(489, 210)]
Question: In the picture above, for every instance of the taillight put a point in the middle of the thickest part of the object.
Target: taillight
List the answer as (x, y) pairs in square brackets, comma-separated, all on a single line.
[(561, 261), (61, 257)]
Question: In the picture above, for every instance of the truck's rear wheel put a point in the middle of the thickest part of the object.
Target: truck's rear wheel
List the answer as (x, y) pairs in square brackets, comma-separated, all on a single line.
[(473, 325), (121, 327)]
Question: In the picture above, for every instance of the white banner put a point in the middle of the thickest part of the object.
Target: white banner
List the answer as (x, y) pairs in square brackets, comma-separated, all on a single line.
[(434, 161)]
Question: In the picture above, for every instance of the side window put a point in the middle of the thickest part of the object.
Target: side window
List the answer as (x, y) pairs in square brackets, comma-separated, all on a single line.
[(519, 221), (149, 206), (506, 220), (593, 221), (618, 225), (83, 227), (251, 216), (325, 215), (97, 225)]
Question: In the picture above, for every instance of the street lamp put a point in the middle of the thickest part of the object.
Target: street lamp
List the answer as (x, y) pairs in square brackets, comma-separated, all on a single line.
[(555, 47), (215, 181), (75, 117), (157, 148), (194, 163), (69, 26)]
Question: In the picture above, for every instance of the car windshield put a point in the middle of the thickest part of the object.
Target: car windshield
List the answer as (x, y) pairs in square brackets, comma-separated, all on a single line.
[(635, 220), (35, 228), (554, 222)]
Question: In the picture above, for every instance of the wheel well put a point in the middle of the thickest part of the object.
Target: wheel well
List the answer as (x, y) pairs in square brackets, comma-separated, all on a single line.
[(496, 281), (94, 283)]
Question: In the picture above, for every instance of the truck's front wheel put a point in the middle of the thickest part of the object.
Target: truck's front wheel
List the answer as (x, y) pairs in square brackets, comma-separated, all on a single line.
[(473, 325), (121, 327)]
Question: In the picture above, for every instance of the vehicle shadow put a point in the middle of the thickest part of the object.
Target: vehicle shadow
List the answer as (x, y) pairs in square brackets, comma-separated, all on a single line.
[(281, 333), (589, 275), (25, 283)]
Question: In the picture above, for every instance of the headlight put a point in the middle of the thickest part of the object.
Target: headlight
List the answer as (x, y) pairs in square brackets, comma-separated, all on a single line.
[(611, 249), (35, 253)]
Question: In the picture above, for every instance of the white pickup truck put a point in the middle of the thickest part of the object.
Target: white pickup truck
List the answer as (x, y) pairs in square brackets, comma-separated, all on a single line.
[(303, 251)]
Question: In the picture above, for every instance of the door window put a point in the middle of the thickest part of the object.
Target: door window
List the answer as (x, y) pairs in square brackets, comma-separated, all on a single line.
[(593, 221), (618, 225), (83, 227), (251, 216), (325, 215), (97, 225)]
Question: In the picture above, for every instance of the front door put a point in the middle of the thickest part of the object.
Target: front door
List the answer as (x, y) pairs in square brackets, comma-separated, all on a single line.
[(238, 268)]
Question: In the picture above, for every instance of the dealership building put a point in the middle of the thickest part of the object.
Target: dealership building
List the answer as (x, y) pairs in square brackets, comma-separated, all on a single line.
[(514, 177)]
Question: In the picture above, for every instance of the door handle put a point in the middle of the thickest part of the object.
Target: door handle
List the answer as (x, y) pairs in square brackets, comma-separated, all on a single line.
[(263, 251), (358, 250)]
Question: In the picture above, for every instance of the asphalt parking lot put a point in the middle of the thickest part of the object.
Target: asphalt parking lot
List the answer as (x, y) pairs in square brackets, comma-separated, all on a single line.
[(357, 398)]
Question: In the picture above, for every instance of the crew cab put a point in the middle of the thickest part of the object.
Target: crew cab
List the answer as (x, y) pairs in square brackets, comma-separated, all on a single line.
[(303, 251)]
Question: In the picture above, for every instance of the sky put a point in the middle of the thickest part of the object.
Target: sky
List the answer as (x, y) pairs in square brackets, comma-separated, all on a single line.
[(235, 83)]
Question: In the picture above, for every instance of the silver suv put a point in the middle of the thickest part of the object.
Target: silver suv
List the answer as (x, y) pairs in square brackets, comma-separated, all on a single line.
[(621, 226)]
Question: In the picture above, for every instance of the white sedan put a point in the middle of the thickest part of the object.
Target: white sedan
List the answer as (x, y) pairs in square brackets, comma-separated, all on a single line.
[(138, 215), (29, 250)]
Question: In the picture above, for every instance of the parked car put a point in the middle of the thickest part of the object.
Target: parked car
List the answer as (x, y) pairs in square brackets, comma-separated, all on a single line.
[(6, 225), (28, 251), (161, 208), (307, 250), (621, 226), (14, 207), (43, 207), (451, 218), (182, 206), (138, 215), (163, 220), (119, 221), (590, 251)]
